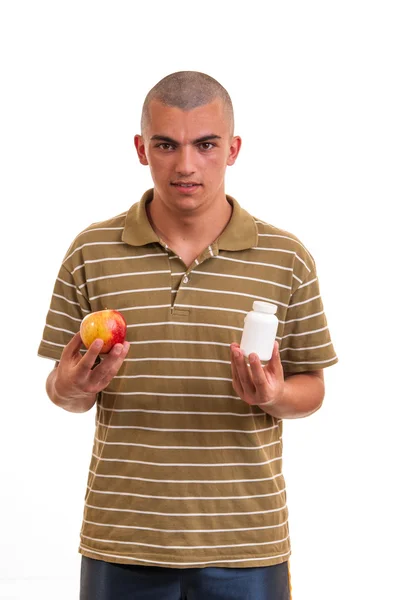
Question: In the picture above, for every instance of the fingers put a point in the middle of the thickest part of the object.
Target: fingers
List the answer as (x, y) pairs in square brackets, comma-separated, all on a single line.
[(250, 383), (275, 365), (87, 362), (103, 373), (236, 383), (258, 376), (242, 372)]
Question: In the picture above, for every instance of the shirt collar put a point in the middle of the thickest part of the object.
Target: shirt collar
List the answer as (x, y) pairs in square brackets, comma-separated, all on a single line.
[(239, 234)]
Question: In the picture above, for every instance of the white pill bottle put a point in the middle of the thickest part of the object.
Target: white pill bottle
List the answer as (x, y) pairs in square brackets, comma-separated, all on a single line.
[(259, 331)]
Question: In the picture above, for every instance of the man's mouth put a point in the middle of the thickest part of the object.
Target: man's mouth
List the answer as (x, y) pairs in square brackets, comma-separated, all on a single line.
[(182, 184), (186, 187)]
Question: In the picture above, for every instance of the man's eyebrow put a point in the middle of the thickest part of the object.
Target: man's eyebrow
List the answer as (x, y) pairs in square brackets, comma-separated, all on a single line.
[(205, 138)]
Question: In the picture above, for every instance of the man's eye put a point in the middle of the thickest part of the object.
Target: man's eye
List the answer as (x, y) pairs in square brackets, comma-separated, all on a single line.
[(206, 145), (164, 146)]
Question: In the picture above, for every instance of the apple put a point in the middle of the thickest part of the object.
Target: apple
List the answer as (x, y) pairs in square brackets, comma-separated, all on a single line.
[(107, 325)]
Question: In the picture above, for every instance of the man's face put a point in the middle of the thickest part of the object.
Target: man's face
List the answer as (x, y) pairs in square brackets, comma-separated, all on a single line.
[(192, 147)]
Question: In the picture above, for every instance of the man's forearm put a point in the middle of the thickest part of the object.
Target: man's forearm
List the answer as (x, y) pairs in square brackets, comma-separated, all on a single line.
[(302, 395), (71, 403)]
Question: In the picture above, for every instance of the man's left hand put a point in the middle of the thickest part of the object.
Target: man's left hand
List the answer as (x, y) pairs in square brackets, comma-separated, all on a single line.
[(256, 384)]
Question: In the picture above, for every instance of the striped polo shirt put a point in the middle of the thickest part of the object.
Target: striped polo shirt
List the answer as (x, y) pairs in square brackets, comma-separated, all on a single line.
[(183, 472)]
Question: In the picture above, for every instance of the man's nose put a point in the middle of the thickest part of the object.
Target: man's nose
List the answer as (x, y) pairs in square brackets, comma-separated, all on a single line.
[(185, 160)]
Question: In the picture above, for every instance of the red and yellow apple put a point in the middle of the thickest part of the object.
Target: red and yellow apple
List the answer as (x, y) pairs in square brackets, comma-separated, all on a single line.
[(107, 325)]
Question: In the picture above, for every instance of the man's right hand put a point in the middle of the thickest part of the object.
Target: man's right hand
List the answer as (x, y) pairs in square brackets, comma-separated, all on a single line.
[(75, 382)]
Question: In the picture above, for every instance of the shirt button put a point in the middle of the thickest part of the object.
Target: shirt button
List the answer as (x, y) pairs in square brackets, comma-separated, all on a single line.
[(185, 279)]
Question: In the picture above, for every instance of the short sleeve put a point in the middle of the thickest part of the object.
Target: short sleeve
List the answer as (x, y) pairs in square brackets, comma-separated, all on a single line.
[(67, 309), (306, 344)]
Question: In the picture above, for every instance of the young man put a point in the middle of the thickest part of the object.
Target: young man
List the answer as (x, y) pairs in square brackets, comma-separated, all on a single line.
[(185, 494)]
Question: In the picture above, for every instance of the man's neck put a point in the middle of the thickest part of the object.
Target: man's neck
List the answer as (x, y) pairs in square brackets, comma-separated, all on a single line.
[(196, 230)]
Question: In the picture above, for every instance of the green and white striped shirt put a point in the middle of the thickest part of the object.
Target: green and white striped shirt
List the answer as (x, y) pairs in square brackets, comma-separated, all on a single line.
[(183, 472)]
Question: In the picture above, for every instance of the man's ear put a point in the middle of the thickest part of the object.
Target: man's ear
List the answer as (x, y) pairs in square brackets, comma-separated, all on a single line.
[(140, 147), (234, 149)]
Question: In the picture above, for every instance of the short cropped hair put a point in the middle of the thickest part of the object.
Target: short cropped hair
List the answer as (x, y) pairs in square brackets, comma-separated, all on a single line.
[(187, 90)]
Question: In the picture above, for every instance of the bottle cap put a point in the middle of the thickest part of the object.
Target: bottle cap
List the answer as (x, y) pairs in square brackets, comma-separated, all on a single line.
[(265, 307)]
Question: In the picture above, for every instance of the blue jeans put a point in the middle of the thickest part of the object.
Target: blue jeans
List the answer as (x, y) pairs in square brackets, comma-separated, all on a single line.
[(110, 581)]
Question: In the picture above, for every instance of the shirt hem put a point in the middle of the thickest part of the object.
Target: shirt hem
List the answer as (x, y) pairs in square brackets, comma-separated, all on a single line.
[(164, 560)]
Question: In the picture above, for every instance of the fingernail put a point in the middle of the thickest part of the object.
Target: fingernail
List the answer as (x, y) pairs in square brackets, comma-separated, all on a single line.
[(236, 353), (117, 350), (252, 358), (98, 344)]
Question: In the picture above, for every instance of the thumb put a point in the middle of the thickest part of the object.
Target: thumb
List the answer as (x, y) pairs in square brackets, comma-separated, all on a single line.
[(275, 364), (72, 348)]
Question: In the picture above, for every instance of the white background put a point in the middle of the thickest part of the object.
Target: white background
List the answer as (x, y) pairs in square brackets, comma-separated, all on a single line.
[(314, 86)]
